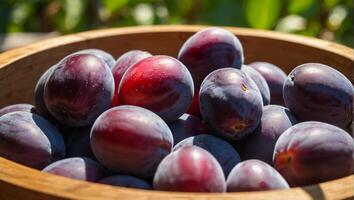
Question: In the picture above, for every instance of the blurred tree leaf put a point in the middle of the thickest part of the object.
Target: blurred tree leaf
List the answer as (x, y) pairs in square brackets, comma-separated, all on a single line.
[(74, 10), (224, 12), (179, 11), (314, 11), (336, 17), (299, 6), (176, 20), (183, 6), (114, 5), (126, 22), (330, 3), (313, 29), (263, 14), (143, 14), (135, 2), (320, 18), (22, 13), (5, 13), (345, 33), (291, 24)]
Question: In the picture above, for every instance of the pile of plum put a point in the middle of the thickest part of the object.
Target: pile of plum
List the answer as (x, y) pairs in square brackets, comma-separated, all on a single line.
[(203, 122)]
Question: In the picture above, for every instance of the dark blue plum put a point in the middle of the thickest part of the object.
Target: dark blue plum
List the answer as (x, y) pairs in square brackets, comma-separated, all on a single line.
[(275, 78), (18, 107), (39, 94), (260, 82), (80, 168), (317, 92), (230, 103), (126, 181), (78, 143), (186, 126), (260, 144), (30, 140), (105, 56)]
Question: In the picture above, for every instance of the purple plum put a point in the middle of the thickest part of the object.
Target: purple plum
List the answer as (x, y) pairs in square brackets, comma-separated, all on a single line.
[(313, 152), (224, 152), (207, 50), (80, 168), (230, 103), (317, 92), (131, 140), (29, 139), (123, 63), (189, 169), (79, 89), (18, 107), (260, 144), (275, 78), (254, 175), (186, 126)]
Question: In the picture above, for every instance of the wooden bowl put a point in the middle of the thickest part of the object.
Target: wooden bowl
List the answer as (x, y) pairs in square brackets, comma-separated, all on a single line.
[(21, 68)]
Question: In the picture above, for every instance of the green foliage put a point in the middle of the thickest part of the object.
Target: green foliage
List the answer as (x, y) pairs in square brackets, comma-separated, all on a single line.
[(263, 14), (5, 13), (326, 19), (114, 5), (299, 6)]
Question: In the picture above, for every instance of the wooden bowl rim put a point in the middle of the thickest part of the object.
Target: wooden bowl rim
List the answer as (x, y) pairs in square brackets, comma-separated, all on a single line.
[(27, 179), (15, 54)]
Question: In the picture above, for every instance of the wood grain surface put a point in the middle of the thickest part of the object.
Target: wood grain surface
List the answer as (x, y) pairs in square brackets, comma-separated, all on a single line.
[(20, 69)]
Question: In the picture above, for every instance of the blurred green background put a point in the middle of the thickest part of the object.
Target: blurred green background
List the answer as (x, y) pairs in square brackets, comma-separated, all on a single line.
[(325, 19)]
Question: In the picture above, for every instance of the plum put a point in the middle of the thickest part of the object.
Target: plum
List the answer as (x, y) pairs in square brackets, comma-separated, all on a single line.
[(161, 84), (29, 139), (230, 103), (275, 78), (80, 168), (18, 107), (186, 126), (317, 92), (123, 63), (224, 153), (260, 82), (39, 94), (312, 152), (350, 129), (105, 56), (126, 181), (254, 175), (64, 130), (79, 89), (78, 143), (210, 49), (131, 140), (260, 144), (189, 169), (207, 50), (194, 108)]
